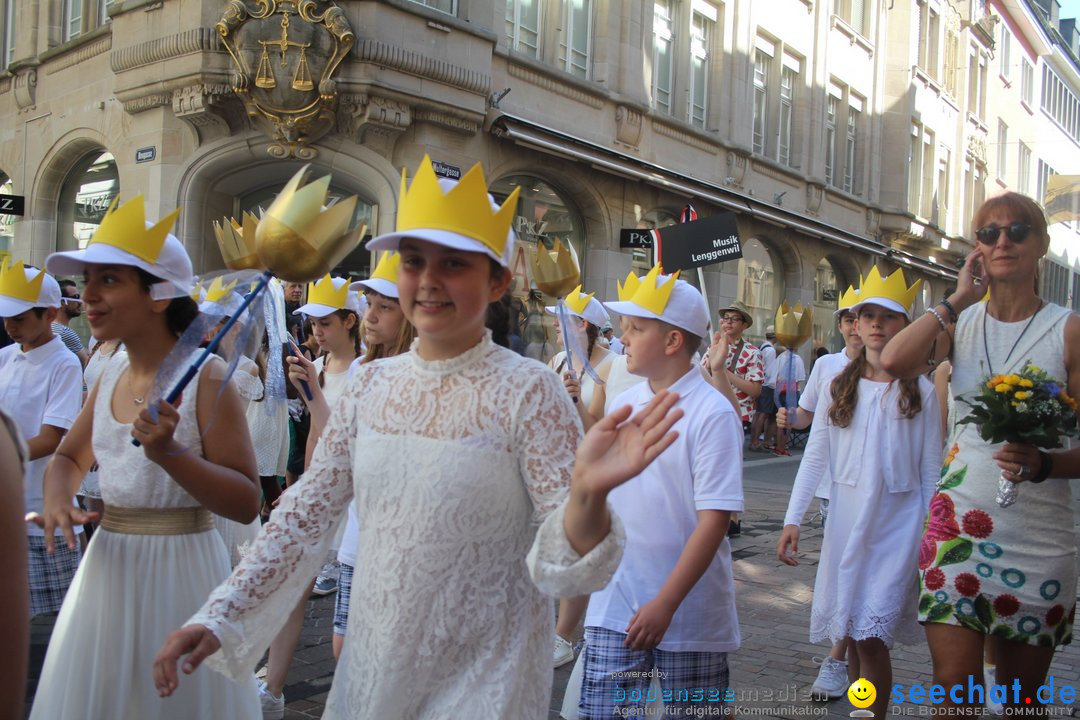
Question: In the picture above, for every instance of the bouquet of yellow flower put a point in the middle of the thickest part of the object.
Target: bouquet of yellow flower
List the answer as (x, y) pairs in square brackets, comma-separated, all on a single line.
[(1029, 407)]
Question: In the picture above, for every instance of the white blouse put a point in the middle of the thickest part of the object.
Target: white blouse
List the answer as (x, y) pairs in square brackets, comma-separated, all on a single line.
[(460, 469)]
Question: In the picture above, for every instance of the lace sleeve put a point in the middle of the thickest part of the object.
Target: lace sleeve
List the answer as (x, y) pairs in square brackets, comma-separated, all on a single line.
[(249, 386), (247, 610), (547, 431)]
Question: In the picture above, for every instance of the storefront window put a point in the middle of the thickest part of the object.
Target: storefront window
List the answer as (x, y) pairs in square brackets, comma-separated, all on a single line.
[(643, 258), (357, 264), (84, 197), (7, 222), (759, 287), (543, 215), (826, 292)]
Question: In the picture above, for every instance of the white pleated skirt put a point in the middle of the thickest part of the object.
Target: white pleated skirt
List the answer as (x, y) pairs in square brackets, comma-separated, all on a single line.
[(130, 592)]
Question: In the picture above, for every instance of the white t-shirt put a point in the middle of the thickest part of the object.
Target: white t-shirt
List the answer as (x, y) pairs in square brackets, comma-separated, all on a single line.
[(702, 470), (40, 387), (619, 380), (333, 383), (825, 370), (780, 369), (768, 361)]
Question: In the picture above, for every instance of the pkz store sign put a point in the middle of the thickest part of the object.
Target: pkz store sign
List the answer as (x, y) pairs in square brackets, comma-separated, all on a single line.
[(12, 205), (91, 207)]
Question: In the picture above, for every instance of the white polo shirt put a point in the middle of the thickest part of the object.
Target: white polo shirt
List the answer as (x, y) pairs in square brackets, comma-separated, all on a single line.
[(702, 470), (40, 387), (824, 371)]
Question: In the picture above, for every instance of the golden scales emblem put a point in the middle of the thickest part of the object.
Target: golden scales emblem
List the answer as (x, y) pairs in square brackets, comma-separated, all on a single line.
[(301, 77)]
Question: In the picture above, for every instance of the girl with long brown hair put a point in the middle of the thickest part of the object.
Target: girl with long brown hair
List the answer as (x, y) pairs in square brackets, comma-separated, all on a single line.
[(879, 437)]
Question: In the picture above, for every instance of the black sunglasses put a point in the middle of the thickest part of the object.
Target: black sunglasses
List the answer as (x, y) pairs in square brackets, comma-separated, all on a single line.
[(1016, 232)]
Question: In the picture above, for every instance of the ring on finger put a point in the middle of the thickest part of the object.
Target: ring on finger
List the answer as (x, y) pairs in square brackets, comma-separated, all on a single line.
[(1023, 471)]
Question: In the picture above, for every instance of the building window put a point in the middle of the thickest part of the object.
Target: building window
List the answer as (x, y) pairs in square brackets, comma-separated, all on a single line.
[(1055, 282), (788, 78), (574, 45), (103, 11), (1002, 149), (1005, 51), (523, 26), (543, 216), (941, 196), (977, 84), (759, 287), (1043, 178), (1060, 103), (642, 259), (851, 145), (447, 6), (761, 98), (1024, 170), (826, 293), (663, 45), (7, 52), (854, 13), (831, 106), (921, 171), (1027, 82), (73, 12), (951, 69), (702, 29), (929, 26), (7, 222), (85, 195)]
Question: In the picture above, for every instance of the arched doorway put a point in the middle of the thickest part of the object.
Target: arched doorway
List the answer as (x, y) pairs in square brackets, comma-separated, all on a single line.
[(760, 285), (85, 194)]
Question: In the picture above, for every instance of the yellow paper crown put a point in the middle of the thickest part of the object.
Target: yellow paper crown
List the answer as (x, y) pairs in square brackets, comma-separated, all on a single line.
[(556, 271), (217, 291), (13, 282), (893, 288), (848, 298), (651, 294), (388, 267), (124, 228), (324, 293), (465, 210), (577, 301), (794, 325), (237, 242), (628, 287)]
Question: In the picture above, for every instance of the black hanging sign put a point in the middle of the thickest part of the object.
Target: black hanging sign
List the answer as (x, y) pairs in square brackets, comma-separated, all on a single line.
[(698, 243)]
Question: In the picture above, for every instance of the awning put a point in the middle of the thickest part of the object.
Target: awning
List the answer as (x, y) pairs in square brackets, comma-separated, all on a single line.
[(536, 136)]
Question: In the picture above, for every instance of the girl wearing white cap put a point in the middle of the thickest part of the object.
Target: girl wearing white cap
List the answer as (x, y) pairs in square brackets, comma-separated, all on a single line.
[(880, 440), (155, 555), (461, 456), (587, 315)]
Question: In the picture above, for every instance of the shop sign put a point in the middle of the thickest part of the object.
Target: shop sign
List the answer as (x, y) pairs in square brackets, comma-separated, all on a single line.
[(635, 238), (12, 204), (696, 244)]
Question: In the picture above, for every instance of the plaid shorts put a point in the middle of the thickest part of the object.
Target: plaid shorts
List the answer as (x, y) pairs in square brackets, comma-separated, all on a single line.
[(617, 678), (341, 602), (50, 574)]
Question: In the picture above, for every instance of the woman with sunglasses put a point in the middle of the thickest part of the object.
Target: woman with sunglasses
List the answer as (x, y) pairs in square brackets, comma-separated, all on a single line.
[(985, 571)]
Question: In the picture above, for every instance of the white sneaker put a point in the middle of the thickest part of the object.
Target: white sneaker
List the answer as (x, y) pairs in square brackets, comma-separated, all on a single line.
[(989, 679), (273, 706), (564, 651), (832, 680)]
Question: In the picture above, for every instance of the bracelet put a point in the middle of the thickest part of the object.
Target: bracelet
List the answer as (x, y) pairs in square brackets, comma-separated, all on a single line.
[(937, 316), (953, 315), (1046, 465)]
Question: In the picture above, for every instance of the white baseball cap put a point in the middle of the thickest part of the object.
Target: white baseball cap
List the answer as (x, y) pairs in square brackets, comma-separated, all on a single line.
[(322, 309), (594, 312), (379, 285), (684, 307), (48, 296), (226, 306)]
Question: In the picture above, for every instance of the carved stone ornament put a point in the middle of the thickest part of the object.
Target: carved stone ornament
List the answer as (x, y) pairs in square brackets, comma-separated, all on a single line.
[(286, 53)]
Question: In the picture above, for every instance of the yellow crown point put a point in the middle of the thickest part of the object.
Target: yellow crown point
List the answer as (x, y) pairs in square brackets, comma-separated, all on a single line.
[(651, 293), (556, 271), (124, 228), (323, 292), (465, 209), (848, 298), (894, 288), (387, 268), (794, 325), (237, 242), (577, 301), (198, 292), (13, 282), (217, 290), (628, 287), (298, 239)]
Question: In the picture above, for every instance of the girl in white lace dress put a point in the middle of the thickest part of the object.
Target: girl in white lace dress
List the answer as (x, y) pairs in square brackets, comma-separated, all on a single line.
[(460, 454), (156, 555), (880, 439)]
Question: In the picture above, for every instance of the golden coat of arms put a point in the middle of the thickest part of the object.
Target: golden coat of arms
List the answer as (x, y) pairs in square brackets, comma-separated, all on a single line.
[(286, 53)]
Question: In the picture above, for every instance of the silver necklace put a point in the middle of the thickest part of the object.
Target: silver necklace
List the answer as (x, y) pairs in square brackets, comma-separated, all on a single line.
[(137, 400), (986, 343)]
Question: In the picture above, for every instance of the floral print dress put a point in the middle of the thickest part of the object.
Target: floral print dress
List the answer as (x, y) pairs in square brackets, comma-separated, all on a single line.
[(1008, 572)]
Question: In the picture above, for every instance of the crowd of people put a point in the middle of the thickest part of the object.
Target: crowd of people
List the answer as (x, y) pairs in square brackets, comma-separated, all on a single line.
[(450, 489)]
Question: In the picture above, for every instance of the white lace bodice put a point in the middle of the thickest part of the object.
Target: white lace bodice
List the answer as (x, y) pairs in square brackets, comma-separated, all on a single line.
[(127, 477), (454, 464)]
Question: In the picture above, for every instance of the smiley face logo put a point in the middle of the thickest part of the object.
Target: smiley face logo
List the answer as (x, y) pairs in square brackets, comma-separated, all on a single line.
[(862, 693)]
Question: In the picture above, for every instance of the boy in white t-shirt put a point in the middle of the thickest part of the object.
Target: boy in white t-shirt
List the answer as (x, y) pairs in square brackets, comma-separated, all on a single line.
[(670, 608), (41, 389)]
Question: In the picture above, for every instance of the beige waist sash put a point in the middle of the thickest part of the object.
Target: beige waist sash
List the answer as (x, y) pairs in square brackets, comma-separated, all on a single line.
[(157, 521)]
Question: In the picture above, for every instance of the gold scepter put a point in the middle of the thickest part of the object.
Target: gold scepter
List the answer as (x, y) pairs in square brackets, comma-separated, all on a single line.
[(794, 326)]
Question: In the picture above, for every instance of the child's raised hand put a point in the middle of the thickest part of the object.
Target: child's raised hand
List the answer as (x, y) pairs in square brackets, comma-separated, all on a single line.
[(194, 639), (156, 435), (718, 352), (647, 627), (789, 537), (619, 447)]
